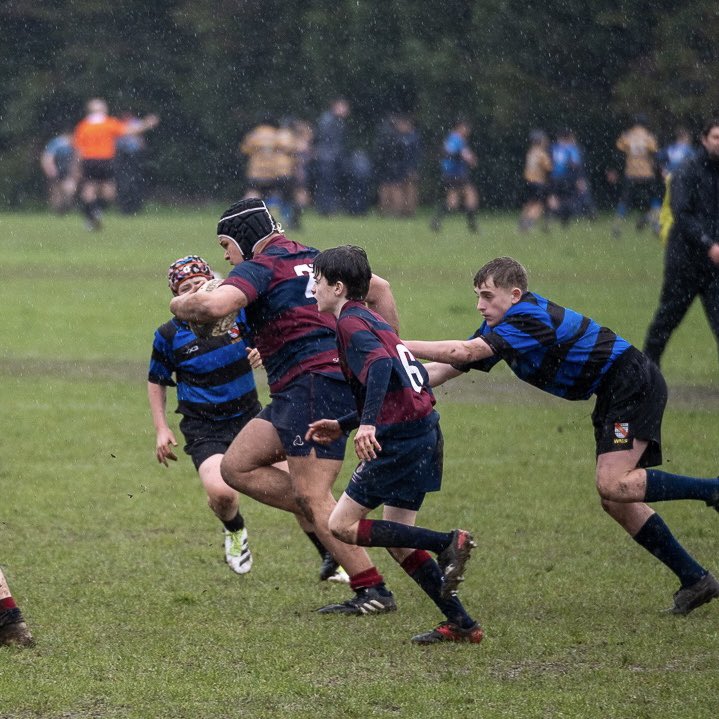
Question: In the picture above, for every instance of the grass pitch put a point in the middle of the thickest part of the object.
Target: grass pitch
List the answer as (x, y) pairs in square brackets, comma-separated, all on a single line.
[(118, 564)]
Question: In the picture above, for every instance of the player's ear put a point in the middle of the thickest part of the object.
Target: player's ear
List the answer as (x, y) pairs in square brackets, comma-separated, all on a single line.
[(516, 295)]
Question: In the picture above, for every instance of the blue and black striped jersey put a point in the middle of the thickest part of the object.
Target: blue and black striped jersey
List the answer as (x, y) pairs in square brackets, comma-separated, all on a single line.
[(551, 347), (213, 376)]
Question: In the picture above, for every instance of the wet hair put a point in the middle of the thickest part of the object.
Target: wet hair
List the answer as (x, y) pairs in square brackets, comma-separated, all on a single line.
[(505, 272), (186, 268), (246, 223), (347, 264), (709, 125)]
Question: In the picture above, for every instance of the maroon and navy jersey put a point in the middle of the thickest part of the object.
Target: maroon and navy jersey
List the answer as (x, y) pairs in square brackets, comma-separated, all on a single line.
[(363, 337), (292, 337)]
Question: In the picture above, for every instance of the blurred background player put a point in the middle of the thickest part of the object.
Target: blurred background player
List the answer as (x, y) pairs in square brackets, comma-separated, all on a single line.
[(60, 166), (564, 176), (271, 152), (639, 187), (677, 153), (130, 152), (217, 397), (583, 203), (331, 157), (258, 146), (304, 151), (537, 166), (13, 629), (457, 189), (95, 139), (397, 158)]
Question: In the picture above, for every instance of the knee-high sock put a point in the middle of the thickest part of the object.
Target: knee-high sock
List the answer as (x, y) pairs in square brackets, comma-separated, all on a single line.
[(382, 533), (426, 572), (657, 539), (663, 486)]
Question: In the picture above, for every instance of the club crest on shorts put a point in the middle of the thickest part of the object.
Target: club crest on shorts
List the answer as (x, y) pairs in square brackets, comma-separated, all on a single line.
[(621, 430)]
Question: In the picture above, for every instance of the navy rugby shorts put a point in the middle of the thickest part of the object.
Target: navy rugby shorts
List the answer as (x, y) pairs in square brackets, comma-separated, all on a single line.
[(304, 400), (403, 472), (630, 405)]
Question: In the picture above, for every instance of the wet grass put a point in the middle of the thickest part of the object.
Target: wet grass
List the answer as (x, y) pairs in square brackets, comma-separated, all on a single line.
[(118, 564)]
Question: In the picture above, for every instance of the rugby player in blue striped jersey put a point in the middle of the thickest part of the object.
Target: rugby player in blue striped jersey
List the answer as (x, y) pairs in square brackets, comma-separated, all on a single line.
[(398, 442), (568, 355), (217, 397)]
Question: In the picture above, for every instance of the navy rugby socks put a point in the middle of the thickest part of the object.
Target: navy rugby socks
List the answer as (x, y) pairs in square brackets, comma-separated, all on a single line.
[(657, 539), (381, 533), (426, 572), (663, 486)]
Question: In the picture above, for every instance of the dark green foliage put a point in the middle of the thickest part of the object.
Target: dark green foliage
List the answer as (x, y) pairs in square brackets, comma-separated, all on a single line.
[(212, 70)]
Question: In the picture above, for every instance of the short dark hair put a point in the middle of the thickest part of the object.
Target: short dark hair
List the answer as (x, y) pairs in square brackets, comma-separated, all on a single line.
[(505, 272), (709, 125), (347, 264)]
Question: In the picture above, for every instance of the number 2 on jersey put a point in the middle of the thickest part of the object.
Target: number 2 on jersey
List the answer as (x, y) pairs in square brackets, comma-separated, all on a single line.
[(306, 270)]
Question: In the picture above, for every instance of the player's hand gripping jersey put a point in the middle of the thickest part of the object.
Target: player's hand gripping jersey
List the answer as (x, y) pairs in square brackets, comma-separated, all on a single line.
[(405, 409), (292, 337), (551, 347)]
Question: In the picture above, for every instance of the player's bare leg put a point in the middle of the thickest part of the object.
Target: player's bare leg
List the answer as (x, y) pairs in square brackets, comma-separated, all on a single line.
[(221, 498), (618, 477), (248, 466), (622, 487), (312, 480), (224, 502)]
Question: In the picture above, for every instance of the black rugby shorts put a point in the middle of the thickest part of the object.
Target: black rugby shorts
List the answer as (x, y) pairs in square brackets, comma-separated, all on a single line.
[(630, 405)]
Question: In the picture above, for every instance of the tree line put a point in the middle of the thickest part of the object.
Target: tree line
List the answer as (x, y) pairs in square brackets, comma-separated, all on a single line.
[(212, 70)]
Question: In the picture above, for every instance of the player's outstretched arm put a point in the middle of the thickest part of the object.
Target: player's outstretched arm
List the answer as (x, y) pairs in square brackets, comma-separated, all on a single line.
[(204, 307), (381, 300), (450, 351), (439, 373)]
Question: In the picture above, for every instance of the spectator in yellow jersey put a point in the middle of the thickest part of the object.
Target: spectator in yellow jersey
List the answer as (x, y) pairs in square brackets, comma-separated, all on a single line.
[(259, 146), (272, 156), (537, 166), (639, 189)]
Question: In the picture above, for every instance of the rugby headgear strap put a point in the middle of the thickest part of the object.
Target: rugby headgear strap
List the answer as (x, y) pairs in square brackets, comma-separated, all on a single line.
[(246, 223), (184, 269)]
